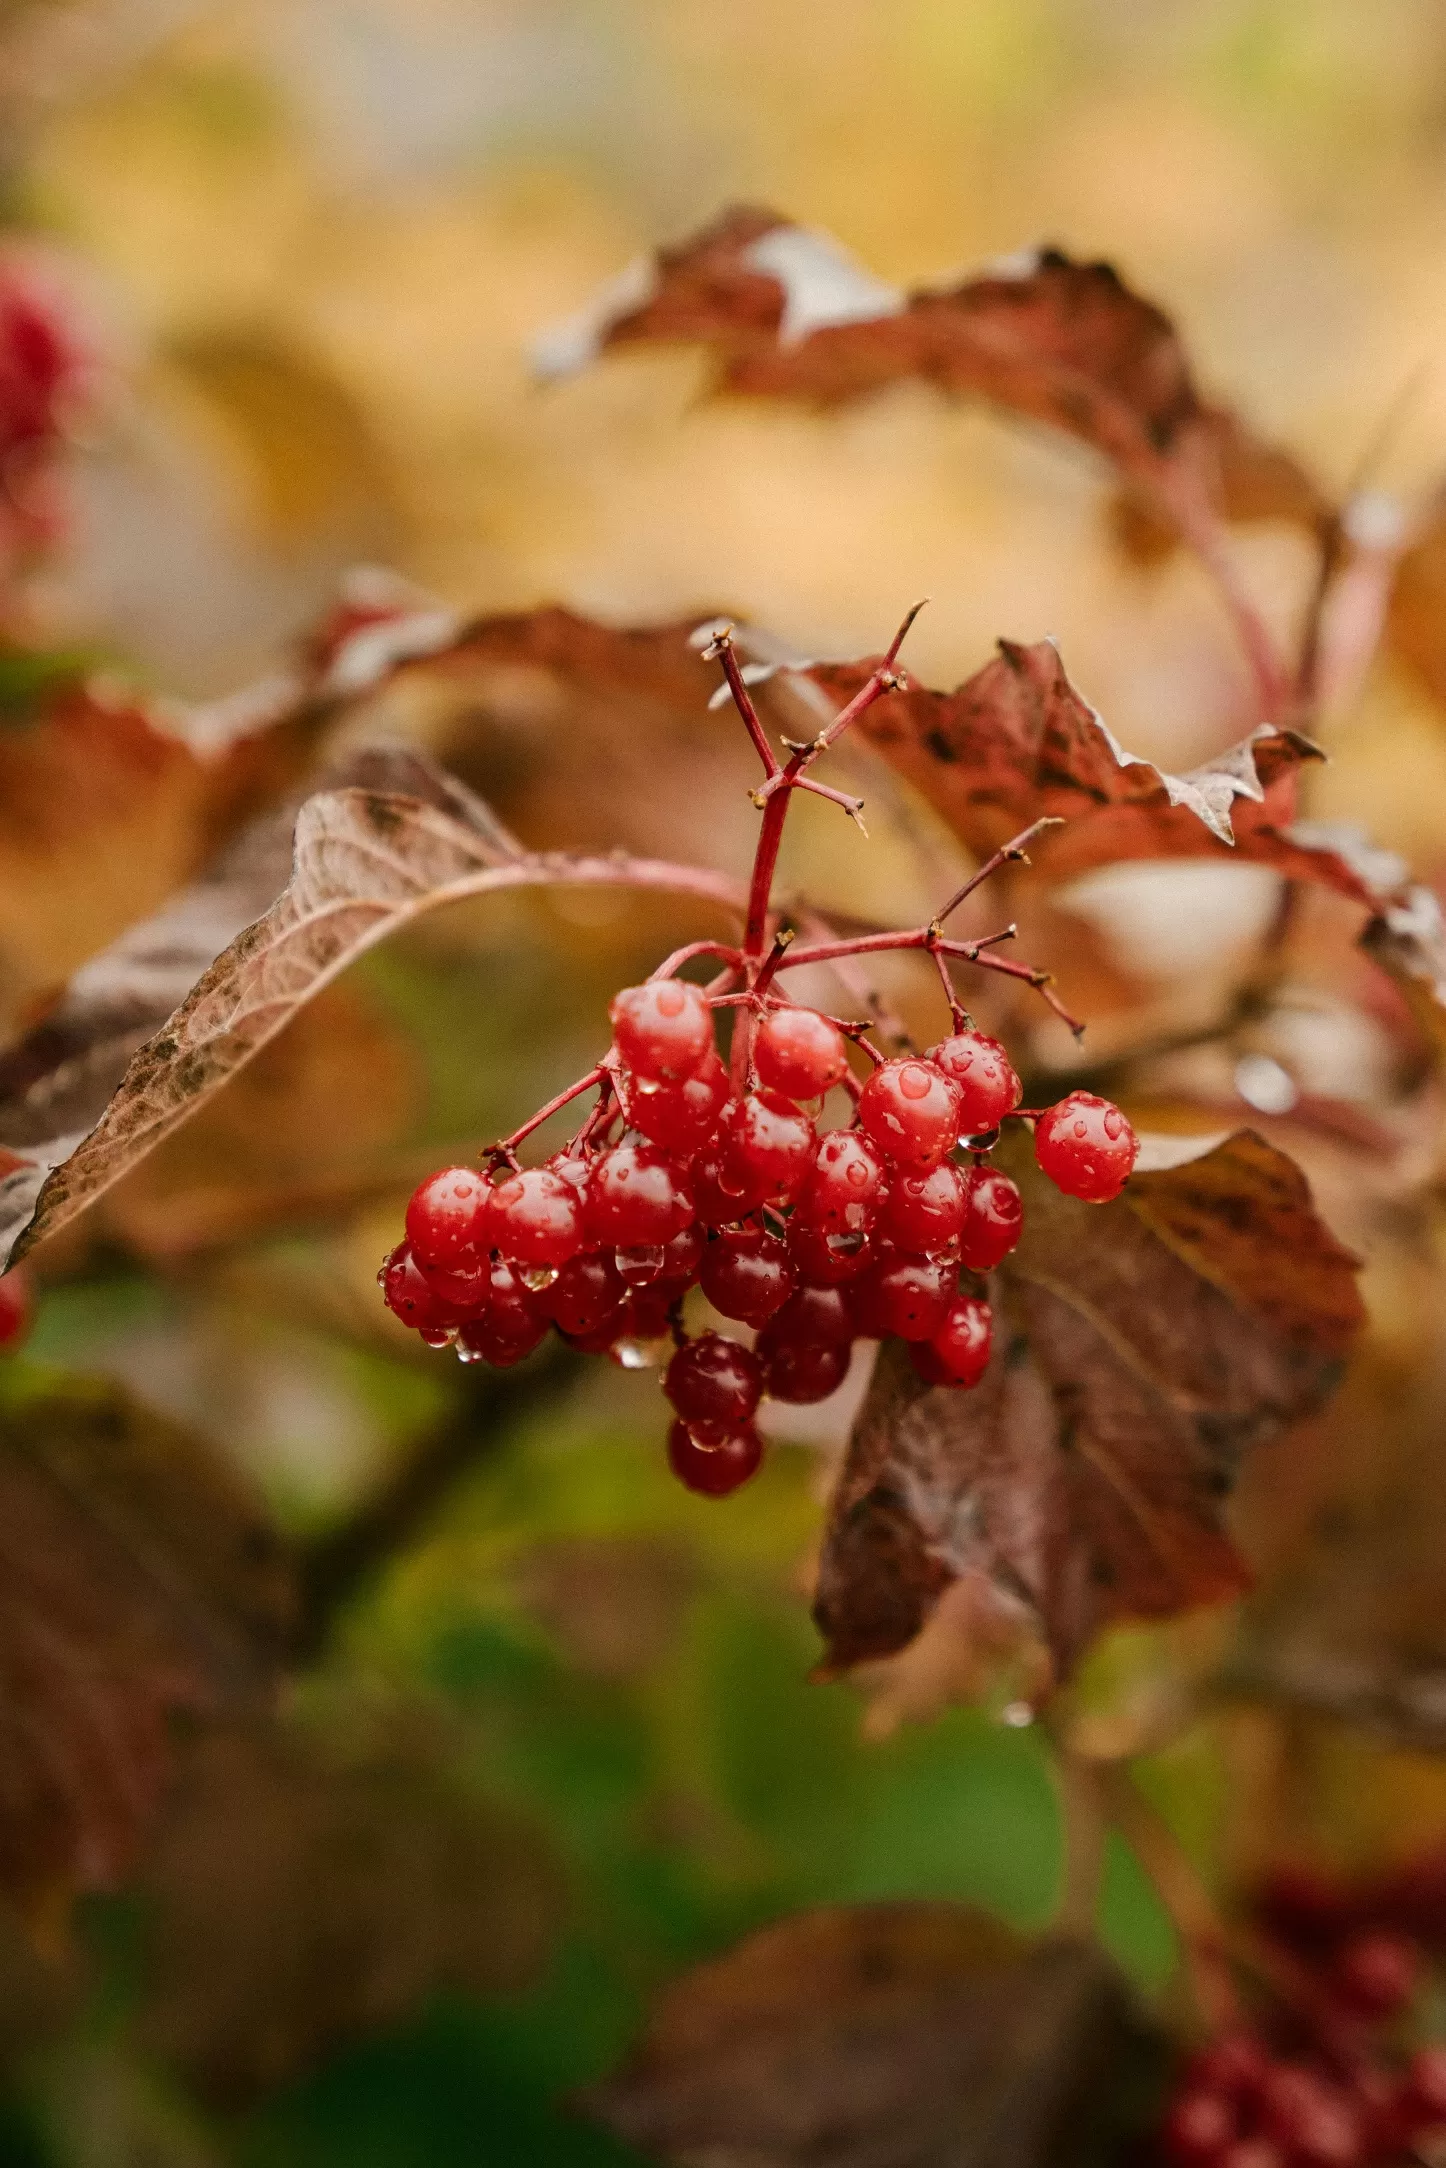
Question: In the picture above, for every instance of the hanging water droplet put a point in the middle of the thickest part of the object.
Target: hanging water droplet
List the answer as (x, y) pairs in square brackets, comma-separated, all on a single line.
[(630, 1354), (639, 1265), (536, 1277)]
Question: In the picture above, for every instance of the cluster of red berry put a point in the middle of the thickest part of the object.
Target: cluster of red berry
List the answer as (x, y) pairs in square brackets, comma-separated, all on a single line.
[(678, 1180), (1336, 2075)]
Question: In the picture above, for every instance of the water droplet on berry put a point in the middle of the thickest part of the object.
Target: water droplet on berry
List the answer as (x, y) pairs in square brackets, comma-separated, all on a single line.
[(1114, 1123), (1080, 1129), (915, 1081), (639, 1265), (536, 1277), (467, 1354), (669, 1000), (845, 1245)]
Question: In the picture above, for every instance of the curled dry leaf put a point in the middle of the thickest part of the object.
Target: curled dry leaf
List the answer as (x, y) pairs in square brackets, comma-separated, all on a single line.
[(790, 315), (1141, 1348), (879, 2036), (304, 1890), (139, 1578), (364, 862), (57, 1082)]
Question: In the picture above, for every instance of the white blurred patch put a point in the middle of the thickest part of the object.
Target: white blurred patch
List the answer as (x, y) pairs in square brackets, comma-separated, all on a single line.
[(1378, 868), (1166, 921), (565, 348), (822, 283), (1263, 1084)]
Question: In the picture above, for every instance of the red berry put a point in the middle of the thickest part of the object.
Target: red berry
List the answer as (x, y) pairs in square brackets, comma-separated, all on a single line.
[(826, 1260), (646, 1316), (717, 1202), (663, 1029), (509, 1304), (587, 1291), (713, 1380), (911, 1111), (714, 1470), (536, 1218), (16, 1308), (408, 1296), (682, 1255), (1375, 1974), (683, 1115), (846, 1185), (1252, 2153), (1423, 2097), (747, 1274), (636, 1195), (1197, 2130), (993, 1218), (447, 1218), (800, 1371), (984, 1076), (1086, 1147), (498, 1339), (462, 1288), (906, 1296), (799, 1053), (1311, 2119), (1236, 2064), (925, 1209), (958, 1353), (814, 1317), (767, 1148)]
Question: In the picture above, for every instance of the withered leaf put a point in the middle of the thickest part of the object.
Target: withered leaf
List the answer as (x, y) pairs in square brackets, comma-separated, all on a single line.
[(138, 1577), (364, 862), (1141, 1348), (57, 1081), (790, 315), (305, 1888), (880, 2036)]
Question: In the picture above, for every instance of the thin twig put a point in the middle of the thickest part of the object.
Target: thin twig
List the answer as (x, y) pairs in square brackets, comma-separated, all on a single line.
[(1013, 852)]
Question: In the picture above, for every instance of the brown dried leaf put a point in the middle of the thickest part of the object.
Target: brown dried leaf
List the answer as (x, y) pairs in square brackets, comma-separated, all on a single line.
[(789, 314), (306, 1891), (138, 1577), (1141, 1348), (880, 2036), (57, 1082)]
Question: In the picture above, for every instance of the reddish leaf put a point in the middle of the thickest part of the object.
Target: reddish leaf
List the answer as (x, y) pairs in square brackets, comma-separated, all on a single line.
[(137, 1578), (879, 2036), (1141, 1348)]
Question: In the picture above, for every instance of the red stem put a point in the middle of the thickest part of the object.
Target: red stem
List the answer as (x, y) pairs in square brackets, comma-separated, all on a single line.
[(574, 1091)]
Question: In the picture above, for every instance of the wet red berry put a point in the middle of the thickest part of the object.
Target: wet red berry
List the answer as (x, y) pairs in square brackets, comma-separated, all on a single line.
[(984, 1077), (747, 1274), (713, 1471), (958, 1352), (663, 1029), (408, 1296), (925, 1210), (447, 1218), (826, 1260), (905, 1296), (993, 1218), (499, 1339), (800, 1371), (1086, 1147), (681, 1116), (846, 1186), (799, 1053), (587, 1291), (767, 1148), (713, 1380), (910, 1110), (536, 1218), (636, 1196)]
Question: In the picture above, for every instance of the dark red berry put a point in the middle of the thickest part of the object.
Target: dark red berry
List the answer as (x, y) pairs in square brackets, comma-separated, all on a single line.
[(747, 1274), (636, 1195), (1236, 2064), (958, 1353), (714, 1470), (647, 1316), (713, 1380), (680, 1116), (910, 1109), (800, 1371), (846, 1185), (993, 1218), (716, 1200), (767, 1148), (663, 1029), (925, 1209), (499, 1340), (16, 1308), (826, 1260), (1376, 1973), (408, 1296), (1313, 2121), (536, 1218), (682, 1256), (987, 1085), (1423, 2097), (816, 1316), (1254, 2152), (462, 1288), (799, 1053), (586, 1292), (908, 1297), (1086, 1147), (1197, 2130), (447, 1218), (510, 1305)]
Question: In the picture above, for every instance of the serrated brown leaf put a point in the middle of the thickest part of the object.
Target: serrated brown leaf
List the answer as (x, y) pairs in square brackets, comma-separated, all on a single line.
[(364, 862), (880, 2036), (790, 315), (1141, 1348), (305, 1889), (57, 1082), (138, 1578)]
